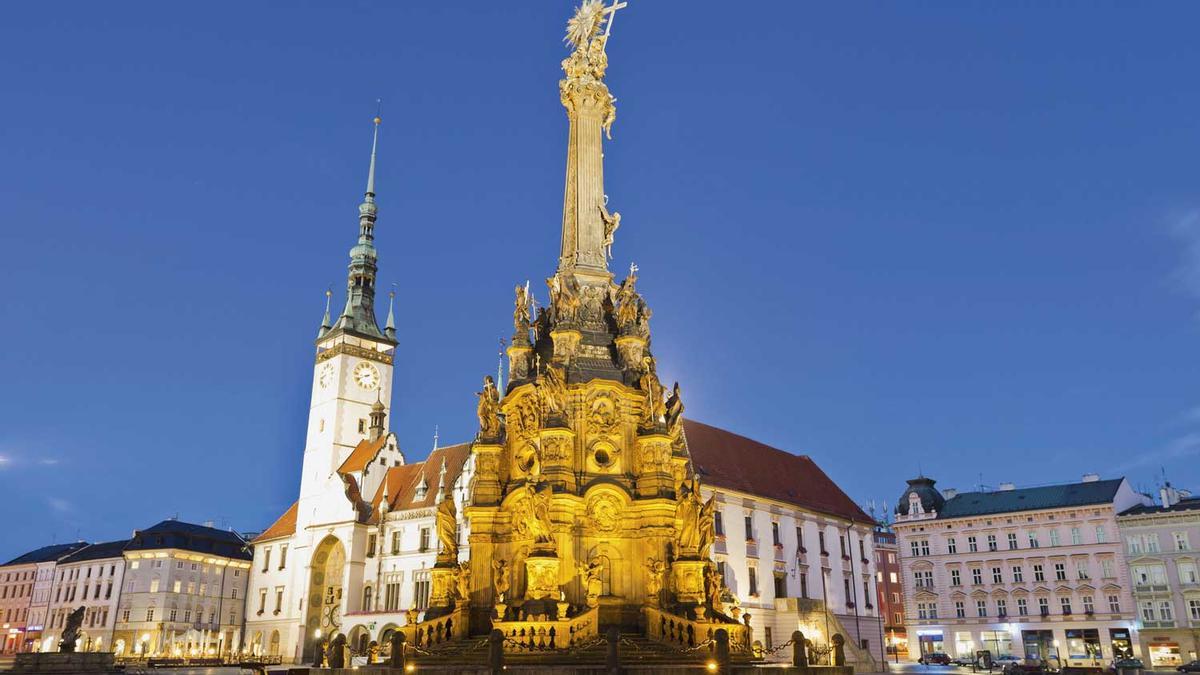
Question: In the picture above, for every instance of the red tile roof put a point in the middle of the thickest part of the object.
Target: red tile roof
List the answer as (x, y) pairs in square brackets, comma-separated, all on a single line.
[(283, 527), (402, 481), (725, 459), (364, 453)]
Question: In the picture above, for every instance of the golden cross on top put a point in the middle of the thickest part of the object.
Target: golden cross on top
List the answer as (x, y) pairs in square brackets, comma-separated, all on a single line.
[(611, 11)]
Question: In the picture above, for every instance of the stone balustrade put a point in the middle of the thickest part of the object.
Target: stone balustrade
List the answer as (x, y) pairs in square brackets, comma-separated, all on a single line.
[(533, 636), (683, 632)]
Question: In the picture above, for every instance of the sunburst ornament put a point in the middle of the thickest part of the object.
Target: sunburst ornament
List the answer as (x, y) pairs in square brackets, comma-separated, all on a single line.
[(585, 25)]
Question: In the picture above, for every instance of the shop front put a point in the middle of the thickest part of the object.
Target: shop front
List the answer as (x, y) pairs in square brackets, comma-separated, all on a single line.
[(897, 643), (964, 645), (1039, 645), (998, 642), (1122, 643), (1164, 652), (1083, 647), (931, 642)]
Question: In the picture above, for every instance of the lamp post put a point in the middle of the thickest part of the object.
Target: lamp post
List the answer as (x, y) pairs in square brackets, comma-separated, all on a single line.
[(1058, 654)]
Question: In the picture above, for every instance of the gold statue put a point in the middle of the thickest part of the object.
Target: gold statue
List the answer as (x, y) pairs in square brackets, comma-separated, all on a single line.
[(655, 407), (612, 221), (462, 581), (674, 413), (627, 302), (564, 297), (655, 570), (500, 578), (707, 525), (447, 528), (552, 390), (687, 520), (713, 586), (488, 410), (532, 515), (593, 584), (521, 316)]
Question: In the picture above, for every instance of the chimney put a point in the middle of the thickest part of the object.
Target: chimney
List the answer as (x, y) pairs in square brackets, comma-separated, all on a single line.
[(950, 493), (1168, 495), (1007, 487), (1091, 477)]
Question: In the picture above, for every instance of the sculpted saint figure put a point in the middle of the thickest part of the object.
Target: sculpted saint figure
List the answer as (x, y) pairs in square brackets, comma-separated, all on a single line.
[(462, 581), (70, 634), (707, 526), (564, 297), (593, 584), (674, 412), (687, 519), (655, 408), (488, 410), (655, 569), (612, 221), (713, 585), (627, 302), (447, 528), (521, 316), (532, 516), (552, 389), (500, 577)]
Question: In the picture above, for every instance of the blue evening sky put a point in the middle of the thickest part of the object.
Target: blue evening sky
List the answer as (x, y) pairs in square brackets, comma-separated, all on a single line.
[(961, 237)]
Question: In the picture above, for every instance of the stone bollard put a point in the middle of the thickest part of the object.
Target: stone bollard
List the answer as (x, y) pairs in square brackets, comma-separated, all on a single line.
[(398, 657), (839, 649), (613, 660), (496, 651), (799, 656), (336, 654), (722, 638), (319, 653)]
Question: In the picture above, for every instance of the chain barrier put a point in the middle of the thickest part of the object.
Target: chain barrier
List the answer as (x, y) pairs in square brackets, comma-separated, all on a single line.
[(775, 650)]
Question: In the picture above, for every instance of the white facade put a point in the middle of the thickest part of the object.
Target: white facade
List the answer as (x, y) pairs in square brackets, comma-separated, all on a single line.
[(90, 578), (1162, 545), (1043, 582), (16, 593), (793, 569)]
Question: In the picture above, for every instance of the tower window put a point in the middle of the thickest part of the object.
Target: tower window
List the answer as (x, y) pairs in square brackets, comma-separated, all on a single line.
[(362, 426)]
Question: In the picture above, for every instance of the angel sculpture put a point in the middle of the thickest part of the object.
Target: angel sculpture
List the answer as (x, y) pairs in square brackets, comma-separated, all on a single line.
[(593, 584), (627, 302), (552, 390), (687, 519), (488, 410), (462, 581), (521, 316), (564, 297), (707, 526), (655, 569)]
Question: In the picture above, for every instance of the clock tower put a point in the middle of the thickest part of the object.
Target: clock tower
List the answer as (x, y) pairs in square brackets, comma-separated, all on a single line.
[(351, 376)]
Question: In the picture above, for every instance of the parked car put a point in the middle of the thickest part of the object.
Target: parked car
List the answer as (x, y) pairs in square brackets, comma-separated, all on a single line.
[(1190, 667), (1016, 666), (1126, 664), (934, 659), (962, 661)]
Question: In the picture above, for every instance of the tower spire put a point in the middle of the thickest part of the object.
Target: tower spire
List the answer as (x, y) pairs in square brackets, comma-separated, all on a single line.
[(358, 315), (389, 328), (326, 324)]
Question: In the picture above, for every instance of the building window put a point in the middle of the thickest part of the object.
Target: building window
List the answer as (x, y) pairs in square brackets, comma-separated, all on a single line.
[(955, 578), (1081, 569), (960, 610), (150, 614), (1001, 607), (719, 524), (1150, 541), (800, 539), (972, 546), (976, 576), (1187, 573), (1166, 611), (154, 585), (266, 564), (1012, 541), (951, 545), (991, 541), (997, 577), (421, 588), (775, 534), (233, 593), (391, 597), (396, 542), (1066, 606), (187, 616), (172, 615), (803, 583), (1194, 609), (753, 582), (362, 426), (1106, 568), (278, 599), (1100, 538), (371, 543), (1181, 541), (1148, 611), (780, 585), (1018, 574), (1033, 539), (749, 523), (923, 578), (1076, 539), (1038, 574), (283, 556), (1060, 572), (1089, 607), (1054, 537), (1022, 607), (981, 607), (262, 600), (125, 615), (1114, 604)]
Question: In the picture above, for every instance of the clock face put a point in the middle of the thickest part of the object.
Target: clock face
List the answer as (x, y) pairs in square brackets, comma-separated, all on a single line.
[(326, 375), (366, 375)]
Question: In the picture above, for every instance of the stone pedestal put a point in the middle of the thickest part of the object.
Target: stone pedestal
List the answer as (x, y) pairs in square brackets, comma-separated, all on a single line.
[(541, 577), (487, 473), (557, 447), (565, 343), (441, 589), (687, 577), (519, 356), (653, 454), (64, 663), (631, 349)]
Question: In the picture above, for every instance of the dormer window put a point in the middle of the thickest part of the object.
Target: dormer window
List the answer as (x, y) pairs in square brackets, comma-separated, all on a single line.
[(421, 490), (914, 504)]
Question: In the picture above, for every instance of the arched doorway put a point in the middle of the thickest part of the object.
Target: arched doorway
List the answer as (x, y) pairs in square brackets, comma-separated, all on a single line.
[(273, 649), (325, 591)]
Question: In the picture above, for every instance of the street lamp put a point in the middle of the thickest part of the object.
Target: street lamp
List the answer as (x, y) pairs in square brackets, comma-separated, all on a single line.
[(1058, 654)]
